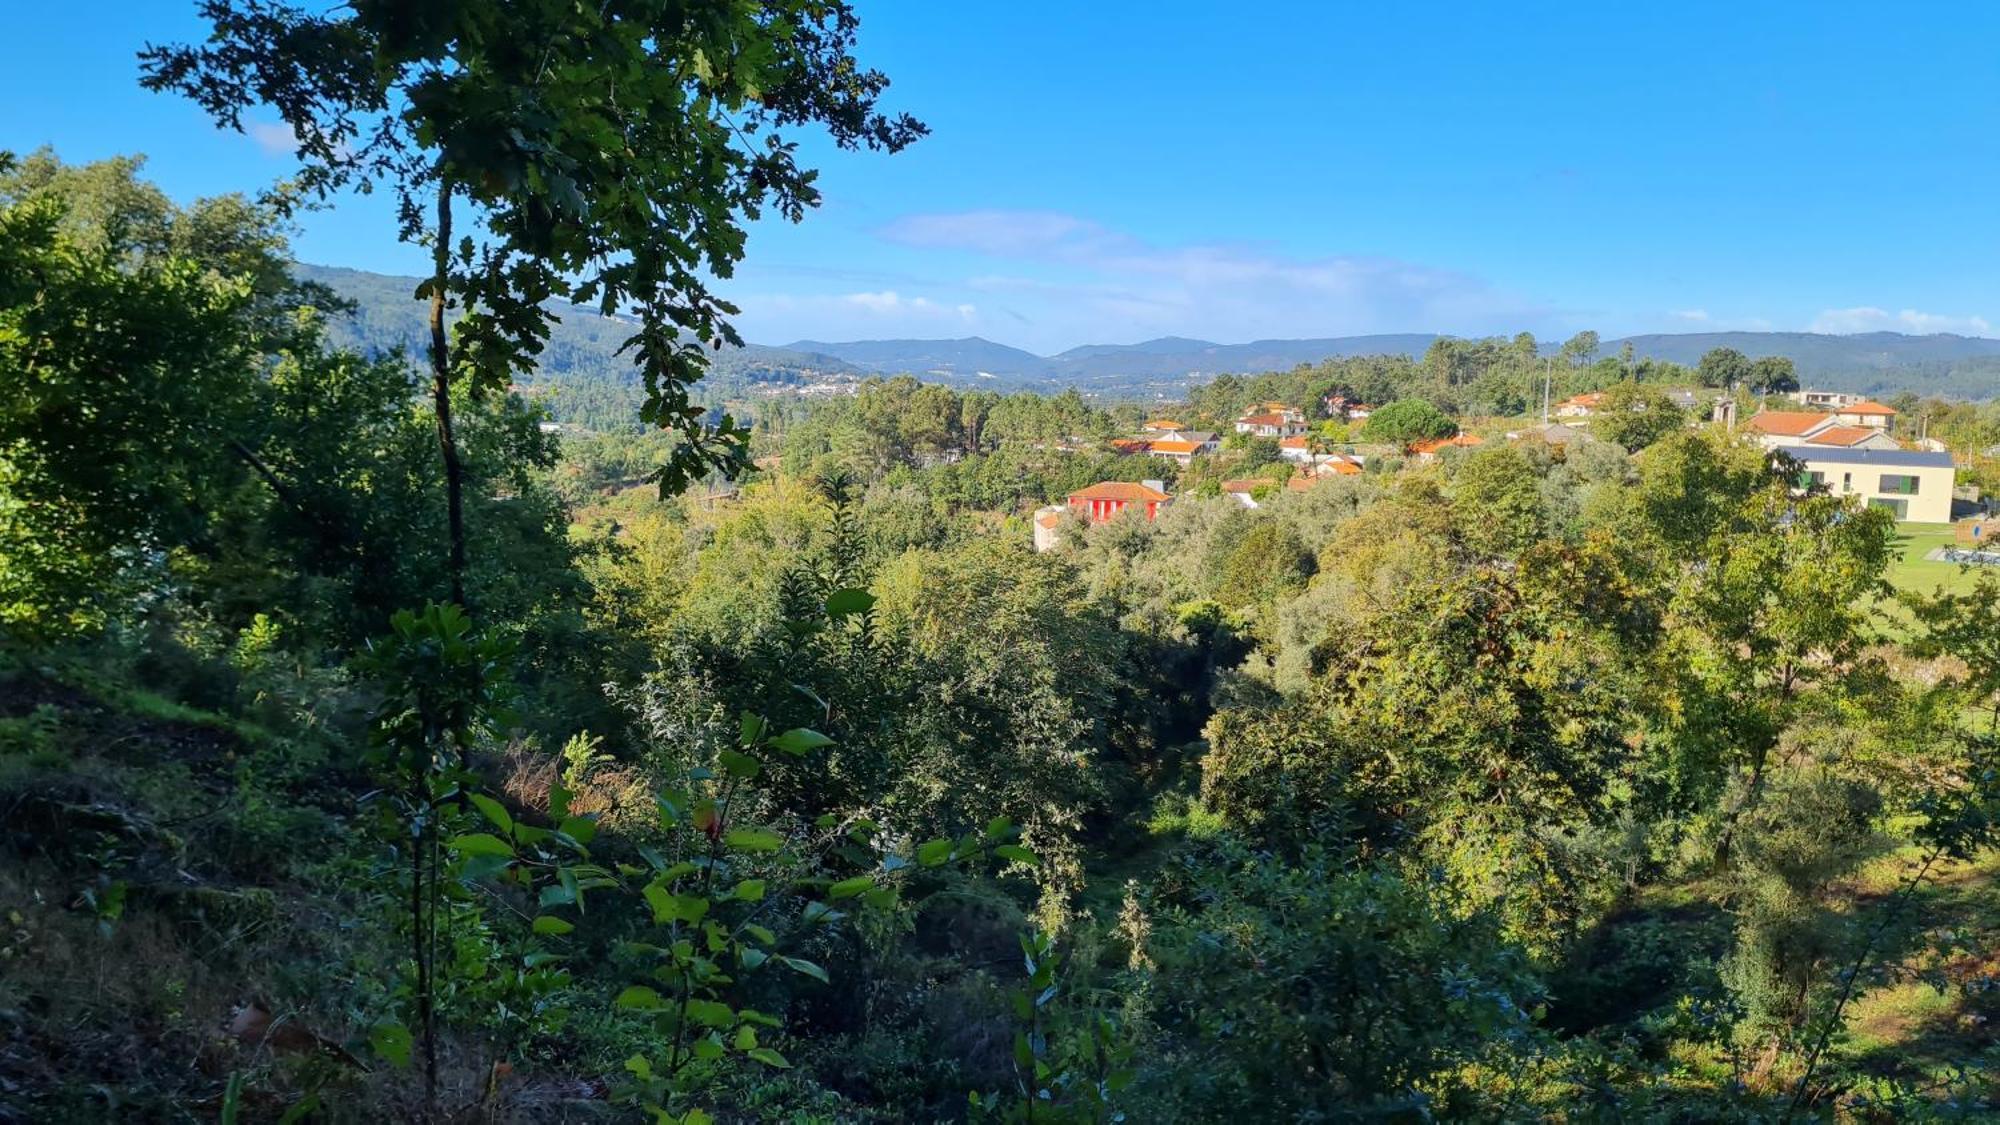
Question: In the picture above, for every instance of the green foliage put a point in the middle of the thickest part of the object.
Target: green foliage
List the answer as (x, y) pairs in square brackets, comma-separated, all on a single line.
[(1360, 987), (1406, 422), (1635, 416), (570, 188), (1496, 498), (96, 473)]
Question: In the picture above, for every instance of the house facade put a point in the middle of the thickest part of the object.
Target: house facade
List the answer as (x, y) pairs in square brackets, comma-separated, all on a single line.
[(1868, 413), (1271, 424), (1580, 406), (1106, 500), (1825, 400), (1914, 486)]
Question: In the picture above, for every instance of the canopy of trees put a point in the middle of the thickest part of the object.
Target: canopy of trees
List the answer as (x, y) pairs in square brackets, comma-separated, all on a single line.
[(1614, 780)]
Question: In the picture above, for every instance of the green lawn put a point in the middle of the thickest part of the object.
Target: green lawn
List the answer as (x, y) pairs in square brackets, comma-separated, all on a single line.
[(1912, 572)]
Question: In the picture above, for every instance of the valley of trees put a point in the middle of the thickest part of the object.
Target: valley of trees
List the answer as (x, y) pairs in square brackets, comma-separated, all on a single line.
[(368, 752)]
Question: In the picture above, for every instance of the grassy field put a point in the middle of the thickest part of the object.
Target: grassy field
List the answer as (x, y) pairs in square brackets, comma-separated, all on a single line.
[(1911, 571)]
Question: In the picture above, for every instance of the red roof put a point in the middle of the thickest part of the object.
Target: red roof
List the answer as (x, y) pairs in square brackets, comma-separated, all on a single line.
[(1048, 520), (1173, 445), (1264, 419), (1292, 442), (1589, 398), (1843, 435), (1242, 485), (1340, 466), (1868, 407), (1117, 490), (1301, 484), (1788, 423), (1131, 445)]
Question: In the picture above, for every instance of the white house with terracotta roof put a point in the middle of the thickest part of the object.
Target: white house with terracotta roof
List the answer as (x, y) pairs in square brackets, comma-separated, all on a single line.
[(1242, 491), (1868, 413), (1785, 429), (1106, 500), (1580, 406), (1277, 424), (1825, 400), (1428, 450)]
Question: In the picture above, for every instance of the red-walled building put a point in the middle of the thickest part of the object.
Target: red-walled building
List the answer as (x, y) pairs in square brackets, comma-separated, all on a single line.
[(1101, 503)]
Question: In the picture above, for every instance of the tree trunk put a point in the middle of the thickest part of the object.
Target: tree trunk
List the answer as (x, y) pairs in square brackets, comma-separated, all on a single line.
[(454, 474)]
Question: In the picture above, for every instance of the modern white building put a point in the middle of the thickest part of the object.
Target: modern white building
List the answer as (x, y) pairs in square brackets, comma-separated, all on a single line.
[(1914, 486)]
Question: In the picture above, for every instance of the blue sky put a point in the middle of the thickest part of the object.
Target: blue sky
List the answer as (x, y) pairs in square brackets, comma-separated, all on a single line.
[(1110, 172)]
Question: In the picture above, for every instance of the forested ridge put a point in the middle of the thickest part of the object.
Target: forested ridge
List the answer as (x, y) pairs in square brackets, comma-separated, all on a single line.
[(371, 750)]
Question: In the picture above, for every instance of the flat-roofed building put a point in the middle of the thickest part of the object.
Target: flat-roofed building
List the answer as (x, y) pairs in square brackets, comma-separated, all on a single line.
[(1914, 486)]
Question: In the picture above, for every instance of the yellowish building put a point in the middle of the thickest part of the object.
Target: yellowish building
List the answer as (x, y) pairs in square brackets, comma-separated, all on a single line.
[(1914, 486)]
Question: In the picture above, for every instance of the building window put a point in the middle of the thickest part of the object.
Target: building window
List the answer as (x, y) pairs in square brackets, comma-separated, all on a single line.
[(1897, 508), (1894, 484), (1809, 478)]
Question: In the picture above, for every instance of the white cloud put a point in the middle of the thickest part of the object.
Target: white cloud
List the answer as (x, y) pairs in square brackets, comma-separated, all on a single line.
[(888, 301), (1866, 318), (274, 137), (847, 316), (1079, 281)]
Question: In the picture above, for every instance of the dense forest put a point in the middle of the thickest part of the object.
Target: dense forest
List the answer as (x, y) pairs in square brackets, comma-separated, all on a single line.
[(370, 750)]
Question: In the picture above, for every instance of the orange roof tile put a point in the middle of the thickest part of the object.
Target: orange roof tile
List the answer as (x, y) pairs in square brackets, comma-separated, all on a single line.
[(1048, 520), (1117, 490), (1301, 484), (1163, 424), (1264, 419), (1242, 485), (1173, 445), (1292, 442), (1340, 467), (1788, 423), (1869, 407), (1435, 444), (1131, 445), (1843, 435)]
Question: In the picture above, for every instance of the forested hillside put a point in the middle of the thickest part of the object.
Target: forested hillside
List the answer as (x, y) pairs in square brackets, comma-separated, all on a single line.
[(582, 347), (370, 752)]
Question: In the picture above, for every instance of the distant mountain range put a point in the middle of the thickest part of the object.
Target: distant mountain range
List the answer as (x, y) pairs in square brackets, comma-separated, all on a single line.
[(584, 345)]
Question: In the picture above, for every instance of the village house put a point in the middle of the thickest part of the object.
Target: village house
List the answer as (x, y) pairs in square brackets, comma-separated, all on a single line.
[(1865, 413), (1554, 433), (1160, 426), (1271, 424), (1825, 400), (1580, 406), (1914, 486), (1104, 501), (1429, 450), (1300, 449), (1339, 465), (1241, 490), (1183, 447), (1785, 429), (1178, 446), (1340, 406)]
